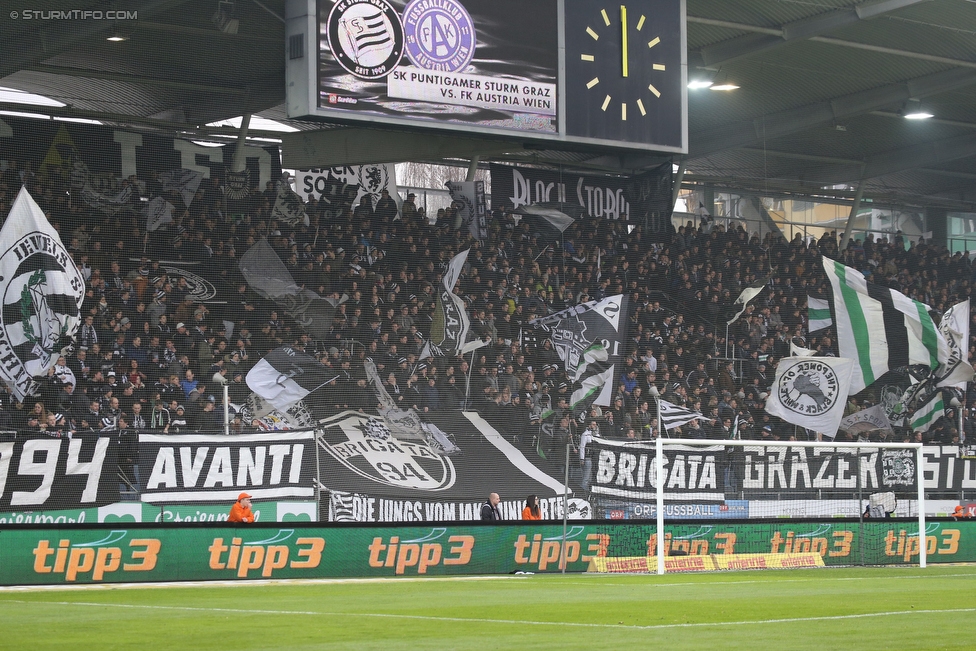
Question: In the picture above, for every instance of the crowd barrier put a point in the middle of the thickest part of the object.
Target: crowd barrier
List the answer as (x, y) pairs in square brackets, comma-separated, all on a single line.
[(141, 553)]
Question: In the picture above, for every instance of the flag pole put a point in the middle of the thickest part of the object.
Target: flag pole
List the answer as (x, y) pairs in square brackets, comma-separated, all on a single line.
[(467, 382)]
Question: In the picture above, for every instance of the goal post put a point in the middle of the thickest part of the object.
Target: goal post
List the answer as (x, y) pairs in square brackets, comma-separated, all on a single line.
[(773, 481)]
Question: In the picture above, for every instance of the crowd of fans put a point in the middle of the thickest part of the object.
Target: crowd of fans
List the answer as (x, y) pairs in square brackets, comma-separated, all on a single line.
[(149, 357)]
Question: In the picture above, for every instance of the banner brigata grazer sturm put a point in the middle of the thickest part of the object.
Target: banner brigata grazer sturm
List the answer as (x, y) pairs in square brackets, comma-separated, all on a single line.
[(627, 470)]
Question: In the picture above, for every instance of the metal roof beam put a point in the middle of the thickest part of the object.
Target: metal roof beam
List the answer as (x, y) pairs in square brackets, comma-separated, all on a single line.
[(736, 48), (57, 36), (913, 157), (922, 155), (140, 80), (749, 132)]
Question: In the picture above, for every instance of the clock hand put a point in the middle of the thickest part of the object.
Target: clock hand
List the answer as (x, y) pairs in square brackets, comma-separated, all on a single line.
[(623, 38)]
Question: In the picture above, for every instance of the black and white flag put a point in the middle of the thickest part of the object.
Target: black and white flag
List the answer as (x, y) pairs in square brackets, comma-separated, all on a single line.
[(550, 219), (747, 295), (284, 376), (473, 212), (288, 206), (450, 326), (674, 416), (158, 212), (182, 182), (589, 340), (266, 274), (42, 293), (955, 370)]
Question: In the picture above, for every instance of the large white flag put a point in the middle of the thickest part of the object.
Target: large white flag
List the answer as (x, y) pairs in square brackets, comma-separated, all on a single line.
[(182, 182), (811, 392), (955, 371), (42, 293), (867, 420), (158, 212)]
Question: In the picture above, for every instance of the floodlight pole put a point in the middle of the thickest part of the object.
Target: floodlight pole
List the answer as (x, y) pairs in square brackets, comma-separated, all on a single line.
[(562, 554), (919, 459), (660, 496), (659, 472)]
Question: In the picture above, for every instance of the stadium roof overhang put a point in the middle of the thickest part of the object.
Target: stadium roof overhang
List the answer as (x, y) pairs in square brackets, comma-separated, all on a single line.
[(823, 89)]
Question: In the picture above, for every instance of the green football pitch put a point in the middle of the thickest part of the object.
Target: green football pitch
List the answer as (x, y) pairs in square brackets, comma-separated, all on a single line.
[(859, 608)]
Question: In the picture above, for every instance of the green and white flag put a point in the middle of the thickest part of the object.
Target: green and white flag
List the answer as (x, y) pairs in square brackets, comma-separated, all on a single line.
[(42, 293), (818, 313), (879, 328), (927, 414)]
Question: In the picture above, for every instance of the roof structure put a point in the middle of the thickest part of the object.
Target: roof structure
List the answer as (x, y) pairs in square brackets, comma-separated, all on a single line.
[(823, 88)]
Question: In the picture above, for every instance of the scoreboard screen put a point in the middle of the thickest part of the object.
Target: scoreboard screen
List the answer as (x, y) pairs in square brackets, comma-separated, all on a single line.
[(566, 70)]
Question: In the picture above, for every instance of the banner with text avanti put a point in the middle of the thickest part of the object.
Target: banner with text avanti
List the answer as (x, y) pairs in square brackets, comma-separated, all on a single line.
[(137, 554)]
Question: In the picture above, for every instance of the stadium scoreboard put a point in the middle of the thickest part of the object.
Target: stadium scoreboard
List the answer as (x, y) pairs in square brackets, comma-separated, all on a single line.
[(589, 72)]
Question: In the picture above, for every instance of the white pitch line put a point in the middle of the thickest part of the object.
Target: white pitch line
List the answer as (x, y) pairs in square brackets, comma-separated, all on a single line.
[(251, 583), (767, 582), (517, 622), (591, 581)]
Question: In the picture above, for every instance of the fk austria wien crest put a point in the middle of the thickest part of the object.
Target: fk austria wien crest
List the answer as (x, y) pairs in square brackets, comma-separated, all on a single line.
[(42, 295), (440, 36)]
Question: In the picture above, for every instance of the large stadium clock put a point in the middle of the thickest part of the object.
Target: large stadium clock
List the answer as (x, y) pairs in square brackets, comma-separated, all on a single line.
[(623, 70)]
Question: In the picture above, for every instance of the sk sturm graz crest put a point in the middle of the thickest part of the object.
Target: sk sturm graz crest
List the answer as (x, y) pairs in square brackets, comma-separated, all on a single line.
[(42, 295), (809, 388), (238, 185), (366, 37), (898, 467), (569, 340), (200, 289)]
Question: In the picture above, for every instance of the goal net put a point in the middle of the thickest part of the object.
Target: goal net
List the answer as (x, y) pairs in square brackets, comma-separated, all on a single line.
[(848, 503)]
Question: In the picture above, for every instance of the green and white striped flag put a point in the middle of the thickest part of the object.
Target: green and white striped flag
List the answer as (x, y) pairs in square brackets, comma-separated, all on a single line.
[(818, 311), (925, 416), (879, 328)]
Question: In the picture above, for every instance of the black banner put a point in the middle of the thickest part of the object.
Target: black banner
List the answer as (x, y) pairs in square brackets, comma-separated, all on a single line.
[(601, 196), (113, 154), (58, 473), (214, 468), (374, 476)]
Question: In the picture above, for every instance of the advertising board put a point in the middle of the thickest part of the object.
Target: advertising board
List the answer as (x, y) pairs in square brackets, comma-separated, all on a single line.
[(120, 553)]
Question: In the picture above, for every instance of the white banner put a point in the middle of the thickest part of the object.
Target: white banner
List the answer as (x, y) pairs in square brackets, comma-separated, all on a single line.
[(811, 392), (867, 420)]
